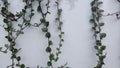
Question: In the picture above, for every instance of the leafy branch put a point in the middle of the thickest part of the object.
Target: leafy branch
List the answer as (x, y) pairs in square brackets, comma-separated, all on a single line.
[(97, 24)]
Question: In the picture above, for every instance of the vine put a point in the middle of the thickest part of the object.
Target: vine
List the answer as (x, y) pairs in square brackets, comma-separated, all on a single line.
[(117, 14), (45, 30), (9, 19), (97, 24), (58, 19)]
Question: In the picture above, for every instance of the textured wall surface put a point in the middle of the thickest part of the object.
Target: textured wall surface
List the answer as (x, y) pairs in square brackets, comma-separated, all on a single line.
[(78, 49)]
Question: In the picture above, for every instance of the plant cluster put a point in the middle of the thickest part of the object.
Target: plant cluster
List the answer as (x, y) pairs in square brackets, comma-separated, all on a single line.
[(97, 28), (23, 20), (10, 19)]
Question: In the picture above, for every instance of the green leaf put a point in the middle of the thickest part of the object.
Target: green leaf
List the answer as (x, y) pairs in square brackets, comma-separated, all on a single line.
[(62, 33), (62, 40), (59, 11), (48, 49), (13, 56), (99, 3), (20, 25), (102, 57), (18, 64), (98, 42), (22, 66), (102, 35), (19, 14), (94, 9), (18, 58), (50, 42), (100, 10), (42, 20), (60, 36), (48, 35), (96, 32), (6, 45), (49, 63), (96, 47), (9, 38), (103, 47), (15, 51), (38, 8), (5, 51), (92, 20), (44, 29), (32, 14), (60, 45), (19, 32), (0, 48), (6, 21), (101, 24), (27, 22), (51, 57), (56, 59), (46, 24)]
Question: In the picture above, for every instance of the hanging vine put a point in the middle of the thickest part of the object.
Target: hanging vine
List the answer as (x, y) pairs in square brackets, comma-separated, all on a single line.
[(58, 20), (11, 19), (97, 24), (46, 31), (13, 34)]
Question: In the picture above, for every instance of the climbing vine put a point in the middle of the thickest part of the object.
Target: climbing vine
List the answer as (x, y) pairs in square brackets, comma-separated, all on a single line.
[(97, 24), (23, 20), (46, 31), (58, 19), (9, 20)]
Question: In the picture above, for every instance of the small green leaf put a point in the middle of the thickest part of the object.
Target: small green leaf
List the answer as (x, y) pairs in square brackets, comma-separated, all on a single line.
[(99, 3), (48, 49), (48, 35), (50, 42), (56, 59), (43, 20), (6, 21), (20, 25), (62, 40), (98, 42), (62, 33), (60, 45), (101, 24), (102, 57), (38, 8), (49, 63), (96, 47), (103, 47), (0, 48), (18, 58), (44, 29), (18, 65), (100, 10), (22, 66), (6, 45), (60, 36), (102, 35), (51, 57), (32, 14), (46, 24)]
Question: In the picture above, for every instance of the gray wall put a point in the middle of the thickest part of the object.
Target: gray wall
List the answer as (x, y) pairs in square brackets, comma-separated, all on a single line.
[(78, 49)]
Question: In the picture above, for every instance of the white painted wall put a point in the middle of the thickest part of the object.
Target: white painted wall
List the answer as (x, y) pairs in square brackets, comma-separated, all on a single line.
[(78, 49)]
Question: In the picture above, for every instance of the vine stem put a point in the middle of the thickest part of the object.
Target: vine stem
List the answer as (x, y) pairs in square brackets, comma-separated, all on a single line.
[(110, 14)]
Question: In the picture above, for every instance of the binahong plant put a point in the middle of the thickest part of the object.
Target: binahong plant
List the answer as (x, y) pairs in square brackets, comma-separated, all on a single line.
[(97, 24)]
